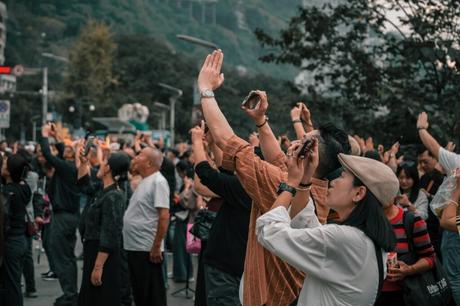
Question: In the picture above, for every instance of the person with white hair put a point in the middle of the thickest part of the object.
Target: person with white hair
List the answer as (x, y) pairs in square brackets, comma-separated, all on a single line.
[(145, 224)]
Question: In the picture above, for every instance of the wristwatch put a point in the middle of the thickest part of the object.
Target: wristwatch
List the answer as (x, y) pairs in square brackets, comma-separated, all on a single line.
[(285, 187), (207, 93)]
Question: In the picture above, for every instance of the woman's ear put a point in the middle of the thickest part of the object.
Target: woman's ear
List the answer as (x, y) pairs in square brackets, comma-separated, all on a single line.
[(360, 194)]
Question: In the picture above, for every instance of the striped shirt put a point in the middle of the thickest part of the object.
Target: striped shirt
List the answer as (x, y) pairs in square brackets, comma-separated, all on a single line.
[(421, 242), (268, 280)]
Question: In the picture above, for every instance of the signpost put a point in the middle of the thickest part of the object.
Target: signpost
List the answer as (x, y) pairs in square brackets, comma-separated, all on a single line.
[(4, 114)]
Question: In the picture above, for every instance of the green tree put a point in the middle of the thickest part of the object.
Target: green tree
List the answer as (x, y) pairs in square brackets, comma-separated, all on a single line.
[(90, 67), (398, 57), (142, 62)]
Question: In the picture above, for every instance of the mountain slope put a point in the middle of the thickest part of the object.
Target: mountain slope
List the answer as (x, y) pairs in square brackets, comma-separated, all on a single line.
[(162, 19)]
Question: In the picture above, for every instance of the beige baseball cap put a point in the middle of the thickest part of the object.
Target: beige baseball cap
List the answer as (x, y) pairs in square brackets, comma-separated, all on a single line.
[(375, 175)]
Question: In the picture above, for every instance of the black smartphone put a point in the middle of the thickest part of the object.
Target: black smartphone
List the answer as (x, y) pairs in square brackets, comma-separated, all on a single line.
[(306, 148), (53, 126), (89, 144), (252, 100)]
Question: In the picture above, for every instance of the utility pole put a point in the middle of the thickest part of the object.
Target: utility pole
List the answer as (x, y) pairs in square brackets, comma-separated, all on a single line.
[(172, 108), (45, 95)]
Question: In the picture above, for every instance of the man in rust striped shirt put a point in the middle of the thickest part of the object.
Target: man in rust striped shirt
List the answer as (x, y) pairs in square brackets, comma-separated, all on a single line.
[(267, 279)]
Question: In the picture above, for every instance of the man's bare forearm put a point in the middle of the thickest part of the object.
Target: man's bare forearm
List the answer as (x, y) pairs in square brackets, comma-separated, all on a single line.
[(299, 130), (218, 154), (218, 125), (269, 144), (162, 228), (198, 152), (429, 142)]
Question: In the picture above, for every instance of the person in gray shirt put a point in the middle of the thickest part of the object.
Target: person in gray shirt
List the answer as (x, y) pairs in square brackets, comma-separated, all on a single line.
[(145, 224)]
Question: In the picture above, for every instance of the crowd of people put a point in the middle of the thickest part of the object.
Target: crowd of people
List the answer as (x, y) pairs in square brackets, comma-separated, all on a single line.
[(323, 219)]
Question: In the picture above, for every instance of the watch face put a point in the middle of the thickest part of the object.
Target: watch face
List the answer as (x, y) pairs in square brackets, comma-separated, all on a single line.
[(208, 93)]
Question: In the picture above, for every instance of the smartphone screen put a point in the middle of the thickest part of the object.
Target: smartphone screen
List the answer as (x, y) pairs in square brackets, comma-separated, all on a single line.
[(252, 100)]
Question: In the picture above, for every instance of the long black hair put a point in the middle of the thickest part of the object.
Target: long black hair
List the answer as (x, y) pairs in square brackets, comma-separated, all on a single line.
[(369, 217), (410, 169)]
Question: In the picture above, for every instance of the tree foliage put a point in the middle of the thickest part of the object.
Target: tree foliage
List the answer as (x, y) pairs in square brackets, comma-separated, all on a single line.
[(90, 67), (378, 62)]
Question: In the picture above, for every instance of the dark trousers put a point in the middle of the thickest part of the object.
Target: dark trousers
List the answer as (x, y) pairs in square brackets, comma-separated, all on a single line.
[(146, 280), (15, 252), (222, 289), (390, 298), (126, 299), (182, 262), (46, 231), (28, 267), (200, 288), (109, 293), (63, 238)]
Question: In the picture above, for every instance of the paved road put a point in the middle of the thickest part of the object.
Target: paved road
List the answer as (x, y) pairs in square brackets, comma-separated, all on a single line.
[(49, 290)]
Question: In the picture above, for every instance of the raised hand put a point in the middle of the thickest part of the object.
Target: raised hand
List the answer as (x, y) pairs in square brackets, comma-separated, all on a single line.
[(198, 132), (395, 148), (258, 113), (361, 142), (296, 112), (450, 146), (254, 139), (422, 121), (295, 164), (312, 161), (305, 114), (210, 76)]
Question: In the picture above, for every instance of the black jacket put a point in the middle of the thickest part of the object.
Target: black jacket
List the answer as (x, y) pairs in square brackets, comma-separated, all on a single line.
[(226, 247), (63, 191), (103, 220), (16, 197)]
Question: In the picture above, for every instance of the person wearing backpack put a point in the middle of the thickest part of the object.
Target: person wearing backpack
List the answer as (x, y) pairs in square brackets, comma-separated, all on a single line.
[(392, 291), (17, 195)]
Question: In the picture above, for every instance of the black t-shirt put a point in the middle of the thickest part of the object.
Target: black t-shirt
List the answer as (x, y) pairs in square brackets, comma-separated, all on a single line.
[(226, 247), (17, 196), (431, 181)]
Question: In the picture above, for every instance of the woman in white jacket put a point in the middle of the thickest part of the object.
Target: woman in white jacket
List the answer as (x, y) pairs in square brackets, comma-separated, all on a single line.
[(345, 263)]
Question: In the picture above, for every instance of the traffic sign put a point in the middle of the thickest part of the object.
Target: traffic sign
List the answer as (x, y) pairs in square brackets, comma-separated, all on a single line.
[(18, 70), (4, 114)]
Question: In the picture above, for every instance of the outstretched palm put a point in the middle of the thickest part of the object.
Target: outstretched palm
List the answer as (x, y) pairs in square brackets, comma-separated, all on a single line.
[(210, 76)]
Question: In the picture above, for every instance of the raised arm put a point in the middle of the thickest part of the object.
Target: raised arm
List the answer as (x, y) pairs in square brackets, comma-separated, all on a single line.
[(268, 142), (428, 141), (297, 122), (200, 156), (209, 79), (59, 164)]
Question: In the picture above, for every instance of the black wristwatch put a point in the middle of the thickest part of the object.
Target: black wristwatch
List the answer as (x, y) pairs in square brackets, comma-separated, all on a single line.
[(285, 187)]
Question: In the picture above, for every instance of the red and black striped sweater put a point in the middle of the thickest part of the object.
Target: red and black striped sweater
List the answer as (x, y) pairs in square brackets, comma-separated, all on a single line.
[(421, 242)]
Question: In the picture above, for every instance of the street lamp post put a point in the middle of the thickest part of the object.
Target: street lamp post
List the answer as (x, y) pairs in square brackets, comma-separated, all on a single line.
[(45, 96), (45, 83), (172, 112)]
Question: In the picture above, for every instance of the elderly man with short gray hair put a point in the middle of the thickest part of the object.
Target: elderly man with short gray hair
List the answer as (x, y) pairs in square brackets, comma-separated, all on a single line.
[(144, 227)]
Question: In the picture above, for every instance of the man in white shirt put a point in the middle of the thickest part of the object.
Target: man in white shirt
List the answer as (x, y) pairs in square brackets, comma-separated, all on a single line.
[(450, 246), (145, 224)]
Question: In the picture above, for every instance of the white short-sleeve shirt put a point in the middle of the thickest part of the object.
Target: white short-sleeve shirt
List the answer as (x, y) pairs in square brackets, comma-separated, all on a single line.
[(140, 221), (448, 160)]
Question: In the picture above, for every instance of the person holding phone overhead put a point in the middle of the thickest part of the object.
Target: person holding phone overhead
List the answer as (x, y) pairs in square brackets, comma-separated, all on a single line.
[(344, 262), (65, 201), (101, 283)]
